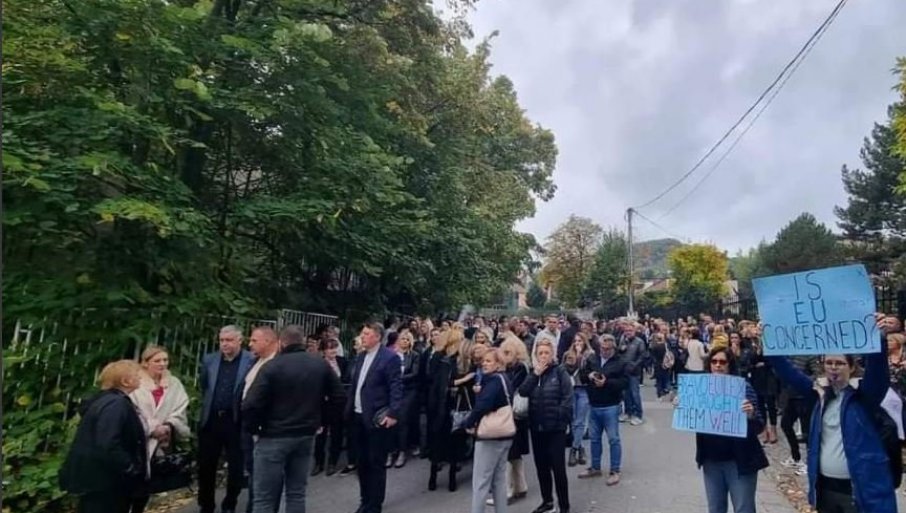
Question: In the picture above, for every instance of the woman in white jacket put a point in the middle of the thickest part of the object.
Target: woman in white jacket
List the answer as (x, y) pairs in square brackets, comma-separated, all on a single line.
[(161, 400)]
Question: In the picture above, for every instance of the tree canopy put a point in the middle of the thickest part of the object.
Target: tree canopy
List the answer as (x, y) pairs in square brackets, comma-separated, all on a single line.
[(801, 245), (699, 272), (345, 156), (569, 257)]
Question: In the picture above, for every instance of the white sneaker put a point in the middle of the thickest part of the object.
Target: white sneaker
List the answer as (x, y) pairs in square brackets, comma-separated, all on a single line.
[(624, 417), (635, 421), (789, 463), (801, 469)]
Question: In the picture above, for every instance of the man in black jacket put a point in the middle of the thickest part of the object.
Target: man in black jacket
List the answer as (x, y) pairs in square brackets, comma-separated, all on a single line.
[(605, 377), (284, 407)]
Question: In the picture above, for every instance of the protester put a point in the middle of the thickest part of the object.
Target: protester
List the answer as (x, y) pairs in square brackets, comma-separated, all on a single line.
[(798, 405), (333, 428), (605, 379), (107, 463), (514, 357), (409, 361), (847, 464), (373, 408), (550, 394), (222, 382), (632, 351), (162, 401), (574, 361), (695, 352), (489, 464), (729, 464), (284, 408)]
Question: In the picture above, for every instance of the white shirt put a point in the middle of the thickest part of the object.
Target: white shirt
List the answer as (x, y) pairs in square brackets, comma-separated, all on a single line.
[(832, 459), (253, 373), (366, 365)]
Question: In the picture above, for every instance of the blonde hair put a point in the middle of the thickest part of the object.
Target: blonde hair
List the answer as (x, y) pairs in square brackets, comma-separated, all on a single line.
[(152, 351), (407, 336), (496, 353), (512, 344), (900, 339), (116, 373)]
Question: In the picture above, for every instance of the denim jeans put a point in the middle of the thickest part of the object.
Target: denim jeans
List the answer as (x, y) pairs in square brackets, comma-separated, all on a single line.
[(662, 381), (281, 462), (580, 415), (606, 419), (632, 396), (722, 478)]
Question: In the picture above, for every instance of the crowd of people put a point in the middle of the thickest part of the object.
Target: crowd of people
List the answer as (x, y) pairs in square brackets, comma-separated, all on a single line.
[(294, 405)]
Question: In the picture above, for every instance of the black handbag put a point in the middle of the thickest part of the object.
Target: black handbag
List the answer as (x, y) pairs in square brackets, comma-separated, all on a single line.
[(170, 472)]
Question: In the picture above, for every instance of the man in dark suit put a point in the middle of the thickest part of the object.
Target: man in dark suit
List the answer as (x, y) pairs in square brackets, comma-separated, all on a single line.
[(373, 407), (222, 381)]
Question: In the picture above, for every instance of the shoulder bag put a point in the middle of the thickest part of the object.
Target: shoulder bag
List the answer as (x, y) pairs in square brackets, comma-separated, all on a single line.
[(499, 423)]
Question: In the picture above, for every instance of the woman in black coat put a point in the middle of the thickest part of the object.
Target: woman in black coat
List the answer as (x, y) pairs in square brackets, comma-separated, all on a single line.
[(332, 427), (550, 393), (409, 363), (107, 464), (438, 407), (730, 465), (767, 388)]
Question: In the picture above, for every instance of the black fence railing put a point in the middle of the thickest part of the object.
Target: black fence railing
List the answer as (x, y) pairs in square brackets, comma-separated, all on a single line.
[(888, 299)]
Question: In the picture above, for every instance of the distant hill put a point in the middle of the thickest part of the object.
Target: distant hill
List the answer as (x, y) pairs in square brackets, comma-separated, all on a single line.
[(651, 257)]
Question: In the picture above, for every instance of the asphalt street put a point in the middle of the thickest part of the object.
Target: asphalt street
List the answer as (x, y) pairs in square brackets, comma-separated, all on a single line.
[(659, 475)]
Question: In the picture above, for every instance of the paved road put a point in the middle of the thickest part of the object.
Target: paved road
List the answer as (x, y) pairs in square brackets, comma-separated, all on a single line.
[(659, 475)]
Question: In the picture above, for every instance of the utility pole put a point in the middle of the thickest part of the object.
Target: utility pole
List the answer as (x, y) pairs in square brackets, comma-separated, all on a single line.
[(631, 312)]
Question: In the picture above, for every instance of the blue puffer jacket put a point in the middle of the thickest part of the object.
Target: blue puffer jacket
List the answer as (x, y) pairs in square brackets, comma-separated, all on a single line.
[(873, 490)]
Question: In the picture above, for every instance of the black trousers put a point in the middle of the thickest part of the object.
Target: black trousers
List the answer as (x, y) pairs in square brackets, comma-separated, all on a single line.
[(549, 451), (108, 502), (372, 446), (220, 435), (401, 431), (767, 406), (796, 408), (335, 432)]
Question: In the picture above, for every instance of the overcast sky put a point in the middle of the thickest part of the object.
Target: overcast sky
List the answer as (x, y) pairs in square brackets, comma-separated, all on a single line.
[(636, 91)]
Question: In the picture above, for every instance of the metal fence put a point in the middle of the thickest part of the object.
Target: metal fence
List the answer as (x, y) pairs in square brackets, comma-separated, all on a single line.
[(887, 299), (50, 350)]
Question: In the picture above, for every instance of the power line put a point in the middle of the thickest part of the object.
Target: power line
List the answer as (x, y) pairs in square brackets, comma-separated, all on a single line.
[(661, 228), (752, 122), (751, 108)]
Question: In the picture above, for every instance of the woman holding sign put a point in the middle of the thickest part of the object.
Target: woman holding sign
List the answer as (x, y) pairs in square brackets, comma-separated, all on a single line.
[(848, 467), (730, 465)]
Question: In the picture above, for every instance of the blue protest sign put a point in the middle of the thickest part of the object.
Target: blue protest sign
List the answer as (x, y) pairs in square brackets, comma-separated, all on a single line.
[(711, 403), (826, 311)]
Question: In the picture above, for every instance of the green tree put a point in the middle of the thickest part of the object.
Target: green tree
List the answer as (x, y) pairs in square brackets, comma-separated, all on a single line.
[(801, 245), (569, 257), (165, 160), (873, 211), (745, 266), (608, 279), (899, 119), (699, 272), (535, 297)]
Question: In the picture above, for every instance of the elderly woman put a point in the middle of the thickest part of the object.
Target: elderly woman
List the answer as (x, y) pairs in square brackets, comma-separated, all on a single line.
[(161, 400), (107, 464)]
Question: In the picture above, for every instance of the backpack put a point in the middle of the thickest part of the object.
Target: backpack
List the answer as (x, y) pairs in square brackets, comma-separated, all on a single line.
[(669, 359)]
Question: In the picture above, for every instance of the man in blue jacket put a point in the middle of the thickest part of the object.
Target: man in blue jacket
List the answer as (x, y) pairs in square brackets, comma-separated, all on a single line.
[(222, 382), (373, 407)]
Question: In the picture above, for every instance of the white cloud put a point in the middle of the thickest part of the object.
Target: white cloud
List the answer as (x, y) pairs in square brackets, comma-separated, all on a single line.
[(635, 92)]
